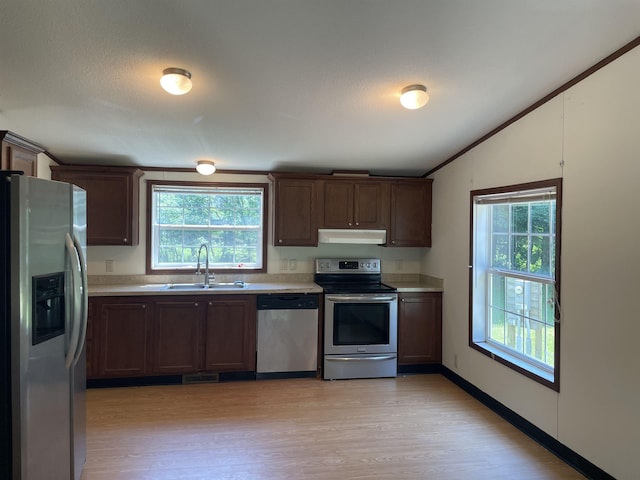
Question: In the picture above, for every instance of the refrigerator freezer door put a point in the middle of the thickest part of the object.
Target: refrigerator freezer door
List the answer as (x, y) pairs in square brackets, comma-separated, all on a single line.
[(41, 217)]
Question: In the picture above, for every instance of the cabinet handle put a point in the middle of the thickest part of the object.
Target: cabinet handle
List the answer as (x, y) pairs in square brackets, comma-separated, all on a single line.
[(349, 224), (124, 240), (357, 223), (393, 242), (402, 300), (280, 241), (144, 306), (195, 304), (210, 303)]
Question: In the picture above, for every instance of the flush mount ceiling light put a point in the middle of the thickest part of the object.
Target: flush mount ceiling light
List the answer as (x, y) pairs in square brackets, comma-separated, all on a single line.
[(205, 167), (414, 97), (176, 81)]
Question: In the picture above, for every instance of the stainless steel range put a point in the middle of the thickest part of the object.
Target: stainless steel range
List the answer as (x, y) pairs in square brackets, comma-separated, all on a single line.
[(360, 319)]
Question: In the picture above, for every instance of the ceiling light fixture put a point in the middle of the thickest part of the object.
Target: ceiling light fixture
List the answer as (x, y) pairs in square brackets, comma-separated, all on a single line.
[(414, 97), (205, 167), (176, 81)]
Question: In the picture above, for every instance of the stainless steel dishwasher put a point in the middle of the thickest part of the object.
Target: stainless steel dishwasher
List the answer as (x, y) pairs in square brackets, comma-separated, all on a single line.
[(287, 340)]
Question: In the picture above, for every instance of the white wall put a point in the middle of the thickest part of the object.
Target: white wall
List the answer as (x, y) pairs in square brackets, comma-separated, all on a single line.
[(131, 260), (594, 128)]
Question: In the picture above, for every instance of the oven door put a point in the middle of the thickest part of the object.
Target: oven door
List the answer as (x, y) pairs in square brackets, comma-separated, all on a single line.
[(361, 324)]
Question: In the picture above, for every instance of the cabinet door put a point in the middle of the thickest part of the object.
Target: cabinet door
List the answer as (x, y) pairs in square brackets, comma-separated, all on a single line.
[(177, 338), (338, 204), (419, 328), (16, 158), (371, 205), (296, 213), (122, 338), (112, 202), (230, 338), (410, 214)]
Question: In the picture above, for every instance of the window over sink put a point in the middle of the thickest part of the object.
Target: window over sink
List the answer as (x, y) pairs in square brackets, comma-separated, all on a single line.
[(229, 218)]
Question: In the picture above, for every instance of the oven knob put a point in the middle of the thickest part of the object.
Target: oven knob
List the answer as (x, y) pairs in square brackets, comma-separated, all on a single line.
[(375, 264)]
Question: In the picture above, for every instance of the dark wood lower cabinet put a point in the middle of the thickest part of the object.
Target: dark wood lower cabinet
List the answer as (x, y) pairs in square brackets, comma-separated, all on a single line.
[(164, 335), (121, 338), (177, 337), (419, 328), (230, 338)]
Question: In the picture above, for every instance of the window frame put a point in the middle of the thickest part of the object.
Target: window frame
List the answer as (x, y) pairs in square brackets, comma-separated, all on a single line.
[(181, 271), (479, 342)]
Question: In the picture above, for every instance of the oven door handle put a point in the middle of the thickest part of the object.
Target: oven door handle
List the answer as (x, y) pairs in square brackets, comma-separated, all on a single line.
[(360, 298), (360, 359)]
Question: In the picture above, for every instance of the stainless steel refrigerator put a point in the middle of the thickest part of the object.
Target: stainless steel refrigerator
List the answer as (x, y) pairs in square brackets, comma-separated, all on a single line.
[(43, 318)]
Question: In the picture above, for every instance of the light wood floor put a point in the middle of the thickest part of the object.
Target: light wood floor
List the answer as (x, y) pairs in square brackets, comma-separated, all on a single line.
[(414, 427)]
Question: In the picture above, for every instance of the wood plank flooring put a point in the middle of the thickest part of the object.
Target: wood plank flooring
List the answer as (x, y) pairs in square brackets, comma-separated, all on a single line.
[(414, 427)]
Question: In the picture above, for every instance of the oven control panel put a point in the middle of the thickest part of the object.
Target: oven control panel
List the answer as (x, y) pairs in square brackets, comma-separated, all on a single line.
[(347, 265)]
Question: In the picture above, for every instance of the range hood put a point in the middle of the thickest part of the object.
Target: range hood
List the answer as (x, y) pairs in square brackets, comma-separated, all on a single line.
[(368, 237)]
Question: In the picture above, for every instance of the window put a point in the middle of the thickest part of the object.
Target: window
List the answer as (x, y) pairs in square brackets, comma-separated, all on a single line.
[(514, 277), (228, 218)]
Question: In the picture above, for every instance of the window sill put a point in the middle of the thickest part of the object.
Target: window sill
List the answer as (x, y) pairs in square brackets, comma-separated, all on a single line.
[(511, 361)]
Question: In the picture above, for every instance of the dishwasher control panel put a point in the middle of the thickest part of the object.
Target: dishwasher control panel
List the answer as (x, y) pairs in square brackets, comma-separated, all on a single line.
[(288, 301)]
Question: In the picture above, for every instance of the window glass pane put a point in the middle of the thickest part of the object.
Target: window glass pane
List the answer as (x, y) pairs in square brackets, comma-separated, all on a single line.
[(170, 237), (540, 255), (195, 238), (196, 215), (519, 253), (500, 251), (500, 217), (170, 255), (170, 216), (520, 223), (521, 317), (540, 221)]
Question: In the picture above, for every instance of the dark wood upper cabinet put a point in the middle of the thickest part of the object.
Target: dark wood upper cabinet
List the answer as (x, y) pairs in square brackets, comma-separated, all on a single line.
[(355, 204), (410, 216), (295, 211), (304, 203), (19, 154), (112, 201)]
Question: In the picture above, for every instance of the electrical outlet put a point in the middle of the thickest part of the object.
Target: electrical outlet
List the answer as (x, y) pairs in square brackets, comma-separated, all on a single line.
[(284, 264), (108, 266), (293, 264), (455, 360), (399, 265)]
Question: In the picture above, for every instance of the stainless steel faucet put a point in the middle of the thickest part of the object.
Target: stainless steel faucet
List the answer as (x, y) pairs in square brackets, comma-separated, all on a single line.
[(206, 265)]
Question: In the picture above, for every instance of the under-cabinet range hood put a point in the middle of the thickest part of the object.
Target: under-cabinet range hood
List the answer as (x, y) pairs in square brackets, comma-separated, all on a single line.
[(362, 237)]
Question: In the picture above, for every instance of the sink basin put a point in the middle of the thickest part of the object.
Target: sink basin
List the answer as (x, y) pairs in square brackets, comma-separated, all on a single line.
[(236, 284), (186, 286), (201, 286)]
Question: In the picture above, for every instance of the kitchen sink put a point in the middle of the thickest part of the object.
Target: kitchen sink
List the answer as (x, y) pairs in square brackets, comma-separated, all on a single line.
[(202, 286)]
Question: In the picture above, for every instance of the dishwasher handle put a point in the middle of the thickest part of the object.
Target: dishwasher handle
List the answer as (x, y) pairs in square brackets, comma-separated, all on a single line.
[(288, 301)]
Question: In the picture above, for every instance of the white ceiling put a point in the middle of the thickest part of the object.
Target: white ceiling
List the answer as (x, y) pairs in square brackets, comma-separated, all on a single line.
[(290, 85)]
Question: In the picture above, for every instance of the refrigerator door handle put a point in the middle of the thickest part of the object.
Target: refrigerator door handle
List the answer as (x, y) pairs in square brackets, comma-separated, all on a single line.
[(84, 299), (76, 300)]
